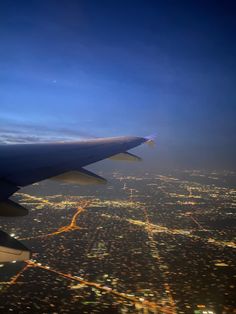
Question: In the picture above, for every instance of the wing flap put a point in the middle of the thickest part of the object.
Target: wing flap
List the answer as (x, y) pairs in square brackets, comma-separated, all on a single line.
[(126, 157), (11, 249), (83, 177)]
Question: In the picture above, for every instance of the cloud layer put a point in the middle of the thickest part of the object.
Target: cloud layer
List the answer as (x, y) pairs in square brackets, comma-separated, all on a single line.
[(14, 132)]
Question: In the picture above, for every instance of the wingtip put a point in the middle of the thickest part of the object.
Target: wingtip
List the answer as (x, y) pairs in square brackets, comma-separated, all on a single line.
[(150, 139)]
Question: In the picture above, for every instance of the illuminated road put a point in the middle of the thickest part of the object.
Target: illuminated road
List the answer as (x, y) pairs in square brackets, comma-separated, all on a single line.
[(73, 224), (196, 222), (17, 276), (138, 302), (70, 227), (162, 229), (156, 255), (155, 306)]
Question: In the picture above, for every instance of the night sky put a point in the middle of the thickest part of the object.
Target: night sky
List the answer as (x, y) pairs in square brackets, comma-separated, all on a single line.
[(82, 69)]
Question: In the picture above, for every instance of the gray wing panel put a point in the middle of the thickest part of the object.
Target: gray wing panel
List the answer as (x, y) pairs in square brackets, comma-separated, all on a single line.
[(21, 165), (23, 178)]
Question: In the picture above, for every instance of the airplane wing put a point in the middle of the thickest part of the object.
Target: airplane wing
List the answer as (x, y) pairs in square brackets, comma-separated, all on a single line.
[(24, 164)]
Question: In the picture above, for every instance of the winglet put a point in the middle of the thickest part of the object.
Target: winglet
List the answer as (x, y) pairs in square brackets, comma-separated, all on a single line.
[(150, 140)]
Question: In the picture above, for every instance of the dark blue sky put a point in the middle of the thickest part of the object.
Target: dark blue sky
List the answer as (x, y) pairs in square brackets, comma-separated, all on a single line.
[(71, 69)]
